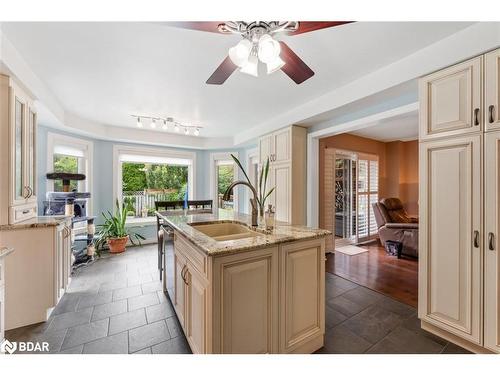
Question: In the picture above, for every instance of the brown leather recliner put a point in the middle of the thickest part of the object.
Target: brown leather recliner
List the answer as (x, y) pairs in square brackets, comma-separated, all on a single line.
[(394, 224)]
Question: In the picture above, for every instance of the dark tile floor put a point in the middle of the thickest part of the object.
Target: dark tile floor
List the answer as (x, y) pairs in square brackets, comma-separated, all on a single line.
[(116, 305)]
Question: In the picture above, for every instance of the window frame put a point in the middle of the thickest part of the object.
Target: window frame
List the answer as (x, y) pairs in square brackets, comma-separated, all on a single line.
[(216, 157), (118, 150), (83, 145)]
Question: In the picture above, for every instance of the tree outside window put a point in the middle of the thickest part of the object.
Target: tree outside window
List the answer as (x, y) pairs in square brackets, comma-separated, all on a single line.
[(145, 183), (65, 164)]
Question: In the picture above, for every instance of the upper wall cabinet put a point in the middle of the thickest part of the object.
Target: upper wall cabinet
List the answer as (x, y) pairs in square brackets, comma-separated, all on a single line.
[(450, 101), (18, 154), (286, 151), (492, 90)]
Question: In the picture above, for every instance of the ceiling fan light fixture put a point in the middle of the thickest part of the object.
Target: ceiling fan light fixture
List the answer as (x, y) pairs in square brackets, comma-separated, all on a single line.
[(275, 65), (251, 67), (269, 49), (240, 53)]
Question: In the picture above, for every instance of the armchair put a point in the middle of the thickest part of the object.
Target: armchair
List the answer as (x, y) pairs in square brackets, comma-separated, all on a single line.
[(394, 224)]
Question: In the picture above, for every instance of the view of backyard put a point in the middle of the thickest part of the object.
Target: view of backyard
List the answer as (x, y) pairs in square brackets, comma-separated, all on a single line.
[(143, 184)]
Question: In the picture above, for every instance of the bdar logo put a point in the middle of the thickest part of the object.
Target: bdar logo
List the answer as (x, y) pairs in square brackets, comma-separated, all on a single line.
[(8, 347)]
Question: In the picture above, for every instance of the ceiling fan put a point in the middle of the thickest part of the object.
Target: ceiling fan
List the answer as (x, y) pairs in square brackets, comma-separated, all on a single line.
[(258, 44)]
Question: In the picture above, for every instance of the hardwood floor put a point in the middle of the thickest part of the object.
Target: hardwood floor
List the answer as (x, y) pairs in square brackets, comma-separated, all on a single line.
[(375, 269)]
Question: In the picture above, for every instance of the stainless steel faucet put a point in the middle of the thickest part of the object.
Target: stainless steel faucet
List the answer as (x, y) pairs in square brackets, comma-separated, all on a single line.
[(253, 201)]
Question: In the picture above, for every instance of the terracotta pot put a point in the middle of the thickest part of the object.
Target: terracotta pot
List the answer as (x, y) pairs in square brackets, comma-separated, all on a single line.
[(117, 245)]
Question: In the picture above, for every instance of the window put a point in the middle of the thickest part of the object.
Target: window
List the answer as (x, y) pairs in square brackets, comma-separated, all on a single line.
[(224, 171), (144, 176), (253, 172), (70, 155)]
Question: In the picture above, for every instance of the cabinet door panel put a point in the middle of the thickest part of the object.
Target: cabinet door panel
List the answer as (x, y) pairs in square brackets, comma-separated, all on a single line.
[(179, 288), (282, 146), (18, 155), (197, 301), (492, 90), (450, 263), (30, 144), (246, 292), (302, 293), (449, 100), (281, 197), (266, 147), (491, 250)]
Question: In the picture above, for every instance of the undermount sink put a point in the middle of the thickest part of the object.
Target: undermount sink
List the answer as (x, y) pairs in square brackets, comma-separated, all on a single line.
[(225, 231)]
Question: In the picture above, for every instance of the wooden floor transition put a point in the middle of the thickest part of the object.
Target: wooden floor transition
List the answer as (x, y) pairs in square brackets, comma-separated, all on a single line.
[(376, 270)]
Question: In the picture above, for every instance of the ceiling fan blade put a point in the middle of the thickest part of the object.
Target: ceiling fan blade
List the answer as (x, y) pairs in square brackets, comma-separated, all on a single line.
[(294, 67), (308, 26), (223, 71), (209, 26)]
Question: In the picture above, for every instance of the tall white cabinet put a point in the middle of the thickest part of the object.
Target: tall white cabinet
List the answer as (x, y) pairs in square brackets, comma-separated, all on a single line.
[(18, 122), (459, 279), (286, 151)]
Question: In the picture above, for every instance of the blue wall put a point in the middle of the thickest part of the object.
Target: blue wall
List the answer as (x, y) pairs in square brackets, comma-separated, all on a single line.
[(102, 173)]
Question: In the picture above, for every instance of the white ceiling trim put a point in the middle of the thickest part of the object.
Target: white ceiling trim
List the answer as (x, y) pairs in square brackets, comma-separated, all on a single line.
[(464, 44)]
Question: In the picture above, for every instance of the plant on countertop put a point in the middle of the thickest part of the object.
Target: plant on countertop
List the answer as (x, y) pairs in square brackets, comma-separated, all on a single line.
[(261, 191), (114, 231)]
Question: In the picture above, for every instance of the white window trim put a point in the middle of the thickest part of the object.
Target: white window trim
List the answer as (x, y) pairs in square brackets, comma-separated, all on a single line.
[(222, 156), (87, 147), (150, 151), (252, 153)]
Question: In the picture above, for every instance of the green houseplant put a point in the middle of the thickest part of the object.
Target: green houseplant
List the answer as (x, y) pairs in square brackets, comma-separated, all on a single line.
[(261, 190), (114, 233)]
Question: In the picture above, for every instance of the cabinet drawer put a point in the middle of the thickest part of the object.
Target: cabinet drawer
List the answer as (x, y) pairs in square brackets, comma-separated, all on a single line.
[(194, 256), (21, 213)]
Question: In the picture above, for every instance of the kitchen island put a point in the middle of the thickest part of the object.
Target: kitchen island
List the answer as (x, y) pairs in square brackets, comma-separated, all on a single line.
[(238, 289)]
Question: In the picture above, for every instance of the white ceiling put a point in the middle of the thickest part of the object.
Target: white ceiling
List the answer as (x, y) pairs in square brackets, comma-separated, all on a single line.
[(104, 72), (398, 128)]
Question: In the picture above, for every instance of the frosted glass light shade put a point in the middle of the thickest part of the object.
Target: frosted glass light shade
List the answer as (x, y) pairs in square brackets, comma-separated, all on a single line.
[(275, 65), (251, 66), (240, 53), (269, 49)]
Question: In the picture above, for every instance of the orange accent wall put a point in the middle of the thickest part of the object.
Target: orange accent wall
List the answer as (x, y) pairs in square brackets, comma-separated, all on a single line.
[(398, 169)]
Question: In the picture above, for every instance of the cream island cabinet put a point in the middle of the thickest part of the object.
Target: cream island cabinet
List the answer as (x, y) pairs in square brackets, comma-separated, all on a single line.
[(240, 290), (459, 265)]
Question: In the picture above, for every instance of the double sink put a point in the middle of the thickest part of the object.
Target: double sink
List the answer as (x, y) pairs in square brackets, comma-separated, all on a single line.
[(226, 231)]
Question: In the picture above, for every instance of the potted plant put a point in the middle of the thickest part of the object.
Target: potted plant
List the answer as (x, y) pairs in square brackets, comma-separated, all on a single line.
[(262, 194), (114, 233)]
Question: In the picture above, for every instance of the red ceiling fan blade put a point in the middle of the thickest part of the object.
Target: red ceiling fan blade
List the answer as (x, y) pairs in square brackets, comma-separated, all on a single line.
[(223, 71), (294, 67), (209, 26), (308, 26)]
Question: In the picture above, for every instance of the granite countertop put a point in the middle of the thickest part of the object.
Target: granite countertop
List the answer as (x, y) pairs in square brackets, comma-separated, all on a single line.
[(283, 232), (4, 251), (37, 222)]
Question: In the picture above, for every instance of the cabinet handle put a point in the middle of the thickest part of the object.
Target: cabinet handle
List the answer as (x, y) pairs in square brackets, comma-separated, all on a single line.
[(476, 238), (27, 192), (491, 241), (476, 117), (183, 273), (25, 212), (491, 116), (30, 191)]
